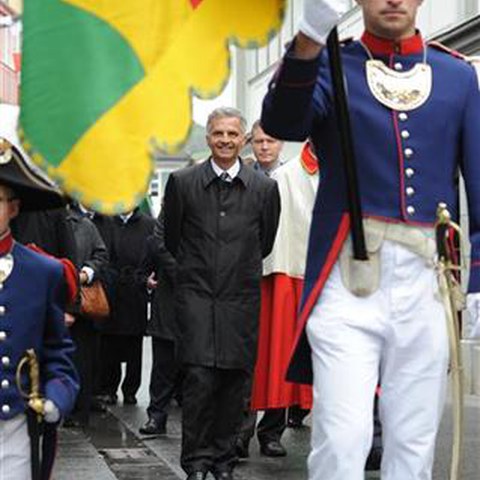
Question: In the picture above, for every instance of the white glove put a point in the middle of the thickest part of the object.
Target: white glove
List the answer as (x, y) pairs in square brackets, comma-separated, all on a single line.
[(320, 17), (52, 414), (472, 317)]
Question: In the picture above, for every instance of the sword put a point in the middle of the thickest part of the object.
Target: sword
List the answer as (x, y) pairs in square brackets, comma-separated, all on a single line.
[(36, 408), (453, 301)]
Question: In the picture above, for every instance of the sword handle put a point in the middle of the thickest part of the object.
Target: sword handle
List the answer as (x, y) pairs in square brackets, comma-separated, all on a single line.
[(35, 400)]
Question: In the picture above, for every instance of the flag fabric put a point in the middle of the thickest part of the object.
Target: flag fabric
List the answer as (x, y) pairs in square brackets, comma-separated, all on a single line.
[(102, 78)]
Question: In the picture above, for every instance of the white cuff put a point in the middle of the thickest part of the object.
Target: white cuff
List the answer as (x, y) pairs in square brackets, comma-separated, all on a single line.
[(320, 17), (90, 272), (52, 413)]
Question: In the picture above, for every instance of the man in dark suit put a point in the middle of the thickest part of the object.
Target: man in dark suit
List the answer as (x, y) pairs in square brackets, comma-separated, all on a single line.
[(165, 378), (220, 222)]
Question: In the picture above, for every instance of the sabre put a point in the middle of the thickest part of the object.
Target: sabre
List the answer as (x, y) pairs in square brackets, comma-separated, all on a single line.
[(36, 409), (452, 299)]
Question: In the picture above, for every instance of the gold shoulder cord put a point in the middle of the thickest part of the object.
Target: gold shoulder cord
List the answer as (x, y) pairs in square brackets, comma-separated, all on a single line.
[(454, 301)]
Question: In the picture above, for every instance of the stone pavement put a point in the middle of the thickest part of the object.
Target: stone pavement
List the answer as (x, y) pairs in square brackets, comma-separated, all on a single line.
[(112, 448)]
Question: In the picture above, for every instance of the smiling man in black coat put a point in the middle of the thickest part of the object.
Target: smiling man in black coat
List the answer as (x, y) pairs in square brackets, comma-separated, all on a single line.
[(220, 222)]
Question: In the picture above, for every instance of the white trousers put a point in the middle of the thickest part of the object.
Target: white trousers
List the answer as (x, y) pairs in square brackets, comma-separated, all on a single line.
[(15, 449), (397, 336)]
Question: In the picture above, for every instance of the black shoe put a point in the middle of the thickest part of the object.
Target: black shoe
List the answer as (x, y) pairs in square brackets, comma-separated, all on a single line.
[(296, 415), (130, 400), (152, 427), (197, 475), (72, 423), (241, 448), (374, 459), (109, 399), (223, 475), (273, 448), (295, 423), (98, 405)]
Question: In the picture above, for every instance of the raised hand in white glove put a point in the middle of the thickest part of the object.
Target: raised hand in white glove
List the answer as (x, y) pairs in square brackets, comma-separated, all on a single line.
[(472, 317), (320, 17), (52, 414)]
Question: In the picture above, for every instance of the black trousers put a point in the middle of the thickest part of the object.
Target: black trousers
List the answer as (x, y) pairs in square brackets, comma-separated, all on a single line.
[(271, 426), (115, 350), (165, 378), (212, 413), (86, 340)]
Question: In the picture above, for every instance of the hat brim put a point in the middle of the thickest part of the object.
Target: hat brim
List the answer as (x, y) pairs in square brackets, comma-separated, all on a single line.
[(33, 191)]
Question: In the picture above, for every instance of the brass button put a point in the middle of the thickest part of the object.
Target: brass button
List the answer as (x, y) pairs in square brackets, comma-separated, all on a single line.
[(5, 409), (5, 384), (5, 361), (409, 172), (405, 134), (402, 116), (411, 210), (410, 191)]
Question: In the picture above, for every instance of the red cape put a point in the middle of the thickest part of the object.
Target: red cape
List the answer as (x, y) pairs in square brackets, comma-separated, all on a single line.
[(281, 296)]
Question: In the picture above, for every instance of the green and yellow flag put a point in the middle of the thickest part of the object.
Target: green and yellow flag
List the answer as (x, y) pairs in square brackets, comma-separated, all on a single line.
[(101, 78)]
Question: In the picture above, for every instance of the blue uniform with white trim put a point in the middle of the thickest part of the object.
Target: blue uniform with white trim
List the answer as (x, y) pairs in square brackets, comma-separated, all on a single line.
[(407, 162), (32, 317)]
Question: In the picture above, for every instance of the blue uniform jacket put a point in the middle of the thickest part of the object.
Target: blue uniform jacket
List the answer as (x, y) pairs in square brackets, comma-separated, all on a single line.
[(407, 162), (32, 316)]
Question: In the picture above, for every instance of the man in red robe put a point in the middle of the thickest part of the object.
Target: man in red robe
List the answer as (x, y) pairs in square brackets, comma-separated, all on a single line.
[(282, 284)]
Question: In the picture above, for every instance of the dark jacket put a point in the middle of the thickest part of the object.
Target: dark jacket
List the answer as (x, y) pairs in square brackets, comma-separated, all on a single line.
[(49, 230), (127, 259), (219, 232), (91, 249), (160, 261)]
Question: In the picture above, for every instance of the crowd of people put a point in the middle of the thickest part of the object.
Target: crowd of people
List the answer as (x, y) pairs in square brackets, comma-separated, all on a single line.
[(256, 300)]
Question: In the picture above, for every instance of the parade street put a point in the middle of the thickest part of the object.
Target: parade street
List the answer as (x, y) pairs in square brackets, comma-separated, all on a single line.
[(113, 449)]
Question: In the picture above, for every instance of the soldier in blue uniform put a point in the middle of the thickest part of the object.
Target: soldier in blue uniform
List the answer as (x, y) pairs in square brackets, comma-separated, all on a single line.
[(415, 113), (32, 293)]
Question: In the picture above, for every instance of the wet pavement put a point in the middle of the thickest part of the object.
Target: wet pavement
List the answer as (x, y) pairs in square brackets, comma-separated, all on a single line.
[(111, 448)]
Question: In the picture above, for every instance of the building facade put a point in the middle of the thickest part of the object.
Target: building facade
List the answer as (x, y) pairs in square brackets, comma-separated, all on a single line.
[(10, 38)]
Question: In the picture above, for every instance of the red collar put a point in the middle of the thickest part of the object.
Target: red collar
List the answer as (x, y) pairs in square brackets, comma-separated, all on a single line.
[(6, 242), (309, 160), (407, 46)]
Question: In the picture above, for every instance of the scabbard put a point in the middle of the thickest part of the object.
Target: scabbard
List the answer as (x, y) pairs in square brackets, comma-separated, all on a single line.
[(49, 449), (34, 427)]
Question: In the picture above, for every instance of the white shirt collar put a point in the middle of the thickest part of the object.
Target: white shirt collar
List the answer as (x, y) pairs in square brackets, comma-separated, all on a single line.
[(232, 171), (125, 217)]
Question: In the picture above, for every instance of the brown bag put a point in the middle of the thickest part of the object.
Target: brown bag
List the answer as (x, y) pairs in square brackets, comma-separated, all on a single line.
[(94, 303)]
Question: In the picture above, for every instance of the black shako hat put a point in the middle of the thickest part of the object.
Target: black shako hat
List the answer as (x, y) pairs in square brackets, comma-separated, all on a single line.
[(33, 191)]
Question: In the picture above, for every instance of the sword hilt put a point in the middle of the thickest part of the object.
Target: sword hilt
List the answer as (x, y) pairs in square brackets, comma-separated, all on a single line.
[(35, 401)]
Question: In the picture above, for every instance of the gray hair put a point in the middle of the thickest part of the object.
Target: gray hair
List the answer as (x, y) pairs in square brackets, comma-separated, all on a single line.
[(229, 112), (256, 124)]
